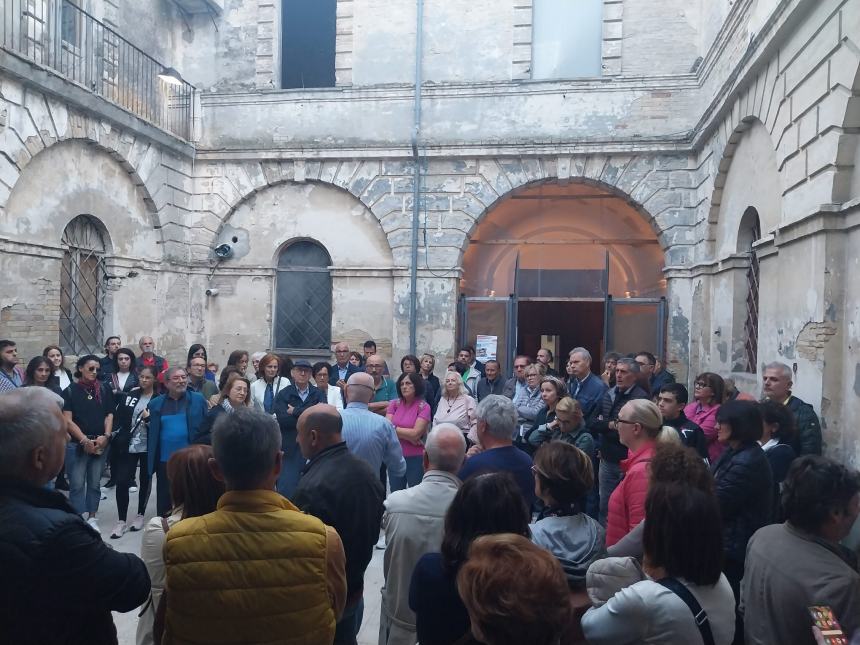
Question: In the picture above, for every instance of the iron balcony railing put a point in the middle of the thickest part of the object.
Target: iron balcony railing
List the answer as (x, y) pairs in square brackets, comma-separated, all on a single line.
[(63, 37)]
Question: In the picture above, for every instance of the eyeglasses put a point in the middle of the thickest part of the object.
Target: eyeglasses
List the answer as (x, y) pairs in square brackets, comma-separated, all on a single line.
[(617, 420), (91, 369), (701, 384), (537, 471)]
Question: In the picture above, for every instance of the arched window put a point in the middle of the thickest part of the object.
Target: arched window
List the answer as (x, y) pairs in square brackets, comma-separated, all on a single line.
[(303, 302), (82, 286), (748, 233)]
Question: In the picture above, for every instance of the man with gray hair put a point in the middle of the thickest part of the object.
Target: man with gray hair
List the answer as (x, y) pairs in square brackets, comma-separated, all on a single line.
[(414, 521), (585, 386), (257, 552), (776, 385), (174, 420), (604, 428), (53, 561), (495, 450)]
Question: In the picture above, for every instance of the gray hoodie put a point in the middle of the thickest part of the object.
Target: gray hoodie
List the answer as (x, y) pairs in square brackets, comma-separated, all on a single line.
[(575, 540)]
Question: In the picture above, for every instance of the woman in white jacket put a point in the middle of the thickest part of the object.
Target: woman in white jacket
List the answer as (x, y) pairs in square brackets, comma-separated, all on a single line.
[(334, 395), (683, 558), (265, 389)]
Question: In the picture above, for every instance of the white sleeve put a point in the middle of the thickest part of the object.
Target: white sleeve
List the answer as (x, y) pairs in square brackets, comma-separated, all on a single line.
[(624, 619)]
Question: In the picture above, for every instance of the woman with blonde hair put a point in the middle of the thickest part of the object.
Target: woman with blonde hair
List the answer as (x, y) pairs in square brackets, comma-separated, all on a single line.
[(457, 407), (568, 426), (640, 426)]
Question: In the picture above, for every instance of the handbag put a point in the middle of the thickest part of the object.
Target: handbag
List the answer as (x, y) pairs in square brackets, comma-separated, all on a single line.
[(699, 615)]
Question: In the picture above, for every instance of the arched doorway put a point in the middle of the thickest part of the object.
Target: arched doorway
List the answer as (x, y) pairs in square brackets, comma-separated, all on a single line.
[(560, 266)]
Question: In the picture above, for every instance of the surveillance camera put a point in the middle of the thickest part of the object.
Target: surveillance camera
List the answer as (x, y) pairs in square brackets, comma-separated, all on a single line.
[(211, 292), (223, 251)]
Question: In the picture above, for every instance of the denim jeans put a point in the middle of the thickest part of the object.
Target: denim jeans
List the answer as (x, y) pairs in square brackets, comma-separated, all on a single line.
[(85, 475), (291, 471), (346, 631), (414, 474), (609, 476)]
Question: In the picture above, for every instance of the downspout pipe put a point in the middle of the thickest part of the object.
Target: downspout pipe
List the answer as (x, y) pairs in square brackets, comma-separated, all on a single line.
[(416, 181)]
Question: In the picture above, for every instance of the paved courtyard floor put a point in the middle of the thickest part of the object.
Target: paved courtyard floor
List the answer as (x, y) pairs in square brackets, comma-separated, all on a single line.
[(126, 624)]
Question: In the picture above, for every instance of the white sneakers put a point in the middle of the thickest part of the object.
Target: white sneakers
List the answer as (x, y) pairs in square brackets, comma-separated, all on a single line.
[(118, 530), (94, 523), (137, 524)]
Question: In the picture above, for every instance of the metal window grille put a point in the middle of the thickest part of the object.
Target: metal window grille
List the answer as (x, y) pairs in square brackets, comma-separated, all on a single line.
[(82, 287), (304, 297), (751, 323), (61, 36)]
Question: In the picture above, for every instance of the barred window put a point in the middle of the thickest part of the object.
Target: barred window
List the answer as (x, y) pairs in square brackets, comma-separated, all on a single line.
[(749, 233), (304, 297), (82, 286)]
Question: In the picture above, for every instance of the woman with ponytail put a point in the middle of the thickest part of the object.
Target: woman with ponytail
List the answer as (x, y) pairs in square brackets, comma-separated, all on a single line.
[(640, 427)]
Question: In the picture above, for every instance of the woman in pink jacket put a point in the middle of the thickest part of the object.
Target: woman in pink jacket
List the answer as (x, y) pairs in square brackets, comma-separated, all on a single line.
[(708, 394), (640, 426)]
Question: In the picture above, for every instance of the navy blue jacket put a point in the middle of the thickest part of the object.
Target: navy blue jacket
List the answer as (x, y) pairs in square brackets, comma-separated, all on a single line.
[(289, 396), (333, 376), (195, 410), (744, 487), (590, 394)]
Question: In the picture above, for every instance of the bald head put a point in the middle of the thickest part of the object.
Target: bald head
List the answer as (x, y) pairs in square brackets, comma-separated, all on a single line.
[(445, 448), (32, 435), (319, 427), (359, 388)]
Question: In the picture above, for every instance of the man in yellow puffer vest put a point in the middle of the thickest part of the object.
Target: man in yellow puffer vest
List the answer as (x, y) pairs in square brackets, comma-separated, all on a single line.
[(257, 570)]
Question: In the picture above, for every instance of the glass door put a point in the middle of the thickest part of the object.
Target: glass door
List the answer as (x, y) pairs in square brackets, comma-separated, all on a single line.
[(635, 325), (492, 317)]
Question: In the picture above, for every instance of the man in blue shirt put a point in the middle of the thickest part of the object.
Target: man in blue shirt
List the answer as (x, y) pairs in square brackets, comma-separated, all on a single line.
[(367, 435), (585, 386), (174, 419), (495, 450)]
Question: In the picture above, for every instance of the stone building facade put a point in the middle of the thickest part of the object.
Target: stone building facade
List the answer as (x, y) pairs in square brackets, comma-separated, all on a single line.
[(716, 149)]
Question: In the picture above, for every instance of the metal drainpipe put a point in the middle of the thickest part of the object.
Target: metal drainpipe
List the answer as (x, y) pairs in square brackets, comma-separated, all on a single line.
[(416, 180)]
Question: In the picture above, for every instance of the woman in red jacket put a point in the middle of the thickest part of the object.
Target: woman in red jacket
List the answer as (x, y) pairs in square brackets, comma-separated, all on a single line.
[(640, 425)]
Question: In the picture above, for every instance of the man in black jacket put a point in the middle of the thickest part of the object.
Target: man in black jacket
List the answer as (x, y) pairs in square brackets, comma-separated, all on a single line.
[(776, 383), (290, 402), (60, 582), (604, 428), (491, 382), (344, 492), (671, 401)]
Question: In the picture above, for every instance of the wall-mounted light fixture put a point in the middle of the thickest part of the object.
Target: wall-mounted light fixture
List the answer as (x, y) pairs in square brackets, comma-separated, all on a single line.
[(170, 76)]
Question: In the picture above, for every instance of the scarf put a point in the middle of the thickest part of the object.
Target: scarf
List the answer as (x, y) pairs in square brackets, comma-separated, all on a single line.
[(226, 405), (269, 397), (94, 389)]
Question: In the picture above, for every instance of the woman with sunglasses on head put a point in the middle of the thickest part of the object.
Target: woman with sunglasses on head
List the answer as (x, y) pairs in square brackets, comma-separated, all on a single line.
[(708, 393), (131, 427), (61, 377), (123, 378), (199, 351), (88, 408)]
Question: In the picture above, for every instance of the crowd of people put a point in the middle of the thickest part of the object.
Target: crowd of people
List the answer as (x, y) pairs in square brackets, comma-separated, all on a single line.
[(580, 505)]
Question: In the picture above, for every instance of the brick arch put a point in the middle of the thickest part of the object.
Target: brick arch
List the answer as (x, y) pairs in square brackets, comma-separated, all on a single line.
[(653, 186), (209, 238), (48, 122)]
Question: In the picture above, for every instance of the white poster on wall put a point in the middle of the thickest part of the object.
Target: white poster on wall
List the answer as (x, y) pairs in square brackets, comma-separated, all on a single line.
[(485, 348)]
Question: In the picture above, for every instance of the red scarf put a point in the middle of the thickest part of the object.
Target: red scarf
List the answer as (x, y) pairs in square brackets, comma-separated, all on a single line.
[(94, 389)]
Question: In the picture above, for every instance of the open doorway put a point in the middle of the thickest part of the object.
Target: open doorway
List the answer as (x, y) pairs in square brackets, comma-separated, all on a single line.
[(576, 263)]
